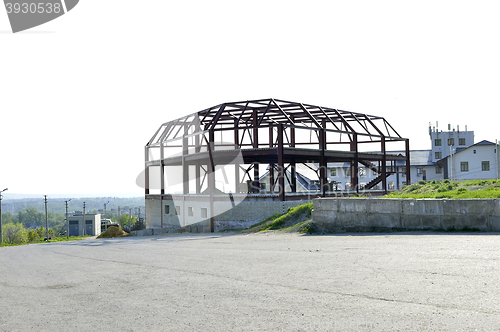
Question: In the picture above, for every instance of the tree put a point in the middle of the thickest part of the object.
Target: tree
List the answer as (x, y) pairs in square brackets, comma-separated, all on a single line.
[(15, 233), (125, 220), (32, 216), (8, 218)]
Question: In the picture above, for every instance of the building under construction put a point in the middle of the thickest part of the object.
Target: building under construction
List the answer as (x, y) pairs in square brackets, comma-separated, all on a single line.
[(201, 166)]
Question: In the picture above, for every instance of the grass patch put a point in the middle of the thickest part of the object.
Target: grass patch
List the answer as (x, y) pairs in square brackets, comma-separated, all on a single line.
[(297, 219), (54, 239), (473, 189)]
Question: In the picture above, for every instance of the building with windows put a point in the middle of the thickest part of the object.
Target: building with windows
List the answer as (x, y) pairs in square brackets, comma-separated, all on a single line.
[(453, 155), (479, 161), (91, 226)]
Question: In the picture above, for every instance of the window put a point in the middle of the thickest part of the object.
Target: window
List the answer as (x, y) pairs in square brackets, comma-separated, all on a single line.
[(347, 171), (204, 212), (177, 209), (73, 222), (439, 155), (167, 209), (348, 186), (362, 185), (464, 166), (474, 151), (437, 142), (485, 165), (403, 171), (451, 141), (419, 171), (190, 211), (390, 185), (439, 170), (461, 141), (263, 186), (333, 172)]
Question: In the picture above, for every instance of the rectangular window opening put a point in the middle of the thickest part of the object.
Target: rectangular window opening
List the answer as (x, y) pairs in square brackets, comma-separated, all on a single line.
[(464, 166)]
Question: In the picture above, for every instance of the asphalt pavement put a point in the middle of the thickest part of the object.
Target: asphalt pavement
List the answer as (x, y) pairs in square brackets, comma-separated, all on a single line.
[(257, 282)]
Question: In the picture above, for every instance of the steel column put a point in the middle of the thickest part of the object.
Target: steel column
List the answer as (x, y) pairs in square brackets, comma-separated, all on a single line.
[(281, 164)]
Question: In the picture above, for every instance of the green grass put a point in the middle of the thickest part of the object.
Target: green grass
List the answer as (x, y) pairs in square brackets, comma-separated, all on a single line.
[(53, 240), (473, 189), (297, 219)]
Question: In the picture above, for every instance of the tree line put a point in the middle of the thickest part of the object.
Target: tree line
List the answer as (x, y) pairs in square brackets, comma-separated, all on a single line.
[(28, 224)]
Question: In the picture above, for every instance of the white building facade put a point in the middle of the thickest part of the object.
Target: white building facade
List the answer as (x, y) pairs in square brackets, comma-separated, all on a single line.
[(477, 162)]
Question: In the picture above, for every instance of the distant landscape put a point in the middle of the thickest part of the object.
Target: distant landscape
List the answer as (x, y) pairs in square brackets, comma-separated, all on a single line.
[(76, 204)]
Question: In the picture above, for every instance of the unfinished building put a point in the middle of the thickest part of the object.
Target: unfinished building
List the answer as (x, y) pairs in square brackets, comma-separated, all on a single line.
[(235, 163)]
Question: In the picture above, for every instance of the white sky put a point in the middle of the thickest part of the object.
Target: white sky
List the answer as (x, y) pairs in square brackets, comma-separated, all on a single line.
[(80, 96)]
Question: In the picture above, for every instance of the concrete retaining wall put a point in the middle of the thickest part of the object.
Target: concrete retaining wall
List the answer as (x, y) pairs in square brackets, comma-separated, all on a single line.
[(365, 214), (190, 213)]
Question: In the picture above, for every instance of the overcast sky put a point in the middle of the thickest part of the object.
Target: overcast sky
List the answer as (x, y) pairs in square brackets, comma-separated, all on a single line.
[(80, 96)]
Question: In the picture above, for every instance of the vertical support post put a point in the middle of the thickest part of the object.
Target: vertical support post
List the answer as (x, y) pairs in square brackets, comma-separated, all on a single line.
[(354, 163), (185, 166), (281, 164), (408, 180), (47, 219), (322, 164), (384, 166), (293, 184), (162, 211), (271, 165), (255, 183), (146, 171), (255, 130), (162, 171), (83, 220), (211, 177), (236, 135)]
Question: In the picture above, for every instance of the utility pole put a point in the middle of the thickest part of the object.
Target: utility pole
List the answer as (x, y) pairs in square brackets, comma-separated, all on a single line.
[(1, 232), (46, 219), (105, 209), (119, 222), (130, 220), (67, 222), (83, 218)]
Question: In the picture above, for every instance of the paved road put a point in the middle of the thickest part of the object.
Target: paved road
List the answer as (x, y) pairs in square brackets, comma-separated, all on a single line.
[(257, 282)]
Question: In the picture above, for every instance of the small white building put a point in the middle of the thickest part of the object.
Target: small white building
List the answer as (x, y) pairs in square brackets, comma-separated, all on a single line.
[(479, 161), (92, 225)]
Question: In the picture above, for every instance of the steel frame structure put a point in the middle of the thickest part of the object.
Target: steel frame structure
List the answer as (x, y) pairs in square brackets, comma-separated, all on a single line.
[(274, 132)]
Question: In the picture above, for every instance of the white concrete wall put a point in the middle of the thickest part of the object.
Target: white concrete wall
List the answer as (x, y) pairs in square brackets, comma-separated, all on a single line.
[(242, 214), (362, 214)]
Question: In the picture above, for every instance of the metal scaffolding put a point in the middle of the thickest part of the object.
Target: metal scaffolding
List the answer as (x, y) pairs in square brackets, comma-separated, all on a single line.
[(276, 133)]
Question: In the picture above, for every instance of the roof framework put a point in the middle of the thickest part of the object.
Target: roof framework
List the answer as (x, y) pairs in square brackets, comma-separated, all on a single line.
[(278, 133)]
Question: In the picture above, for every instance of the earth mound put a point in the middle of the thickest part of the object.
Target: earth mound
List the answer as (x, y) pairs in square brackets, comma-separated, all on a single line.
[(113, 231)]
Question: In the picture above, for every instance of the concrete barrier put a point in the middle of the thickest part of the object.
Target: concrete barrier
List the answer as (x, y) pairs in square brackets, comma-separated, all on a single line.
[(367, 214)]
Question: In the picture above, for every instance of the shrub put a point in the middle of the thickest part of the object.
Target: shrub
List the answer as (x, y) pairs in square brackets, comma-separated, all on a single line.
[(15, 234), (33, 235)]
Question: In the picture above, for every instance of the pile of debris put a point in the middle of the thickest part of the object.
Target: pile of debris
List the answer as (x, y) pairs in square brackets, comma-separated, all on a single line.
[(113, 231)]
